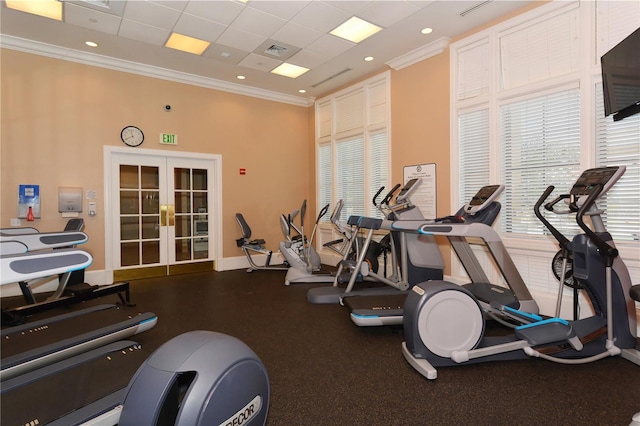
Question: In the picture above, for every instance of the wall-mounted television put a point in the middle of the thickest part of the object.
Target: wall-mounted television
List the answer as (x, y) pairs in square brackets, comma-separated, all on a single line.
[(621, 78)]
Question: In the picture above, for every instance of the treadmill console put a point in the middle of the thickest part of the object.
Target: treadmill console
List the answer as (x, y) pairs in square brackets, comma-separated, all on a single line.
[(485, 196), (408, 189)]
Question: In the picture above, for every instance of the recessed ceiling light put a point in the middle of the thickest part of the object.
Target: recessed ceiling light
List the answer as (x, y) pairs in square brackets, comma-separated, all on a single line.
[(302, 91), (47, 8), (91, 43), (368, 58), (187, 44), (355, 30), (289, 70), (427, 30), (240, 77)]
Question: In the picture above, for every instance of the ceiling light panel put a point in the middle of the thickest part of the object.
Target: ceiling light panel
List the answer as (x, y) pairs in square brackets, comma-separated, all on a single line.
[(51, 9), (355, 30), (187, 44), (289, 70)]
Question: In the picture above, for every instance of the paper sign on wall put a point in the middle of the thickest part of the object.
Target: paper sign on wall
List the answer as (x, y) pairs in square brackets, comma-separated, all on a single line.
[(425, 195)]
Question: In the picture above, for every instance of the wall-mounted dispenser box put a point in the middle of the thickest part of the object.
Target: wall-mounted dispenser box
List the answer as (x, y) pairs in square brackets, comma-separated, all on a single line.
[(69, 199)]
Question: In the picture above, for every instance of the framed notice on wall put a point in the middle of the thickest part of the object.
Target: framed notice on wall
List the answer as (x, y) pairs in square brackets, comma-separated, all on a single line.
[(425, 195)]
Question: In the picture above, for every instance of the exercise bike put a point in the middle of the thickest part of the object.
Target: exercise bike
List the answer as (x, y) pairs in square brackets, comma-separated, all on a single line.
[(444, 324)]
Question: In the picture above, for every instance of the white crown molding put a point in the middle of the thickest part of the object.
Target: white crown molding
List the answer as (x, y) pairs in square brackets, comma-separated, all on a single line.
[(43, 49), (419, 54)]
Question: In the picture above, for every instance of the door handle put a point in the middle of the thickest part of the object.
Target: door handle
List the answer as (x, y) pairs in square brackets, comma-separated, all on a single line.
[(167, 215), (171, 214), (163, 215)]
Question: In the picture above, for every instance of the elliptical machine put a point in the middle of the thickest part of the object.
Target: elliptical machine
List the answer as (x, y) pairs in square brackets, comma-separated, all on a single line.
[(444, 323)]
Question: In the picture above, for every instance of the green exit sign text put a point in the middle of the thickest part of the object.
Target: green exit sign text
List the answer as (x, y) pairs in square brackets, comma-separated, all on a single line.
[(168, 139)]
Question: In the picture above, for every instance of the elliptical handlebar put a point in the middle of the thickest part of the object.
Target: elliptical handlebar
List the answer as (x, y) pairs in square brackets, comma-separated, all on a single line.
[(605, 249), (562, 240), (373, 200), (324, 211)]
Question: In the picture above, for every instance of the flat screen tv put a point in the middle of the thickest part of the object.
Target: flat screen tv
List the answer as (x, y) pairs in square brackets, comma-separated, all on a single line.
[(621, 78)]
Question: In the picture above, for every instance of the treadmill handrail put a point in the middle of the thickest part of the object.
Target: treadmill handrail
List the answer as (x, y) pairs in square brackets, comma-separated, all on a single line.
[(31, 265)]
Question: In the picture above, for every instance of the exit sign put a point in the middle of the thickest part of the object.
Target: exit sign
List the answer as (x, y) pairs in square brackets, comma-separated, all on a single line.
[(168, 139)]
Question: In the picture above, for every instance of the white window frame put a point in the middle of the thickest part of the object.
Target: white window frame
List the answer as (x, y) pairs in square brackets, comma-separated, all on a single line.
[(377, 119), (585, 77)]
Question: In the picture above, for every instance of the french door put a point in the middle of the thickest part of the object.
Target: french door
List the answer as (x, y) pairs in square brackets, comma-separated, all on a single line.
[(160, 213)]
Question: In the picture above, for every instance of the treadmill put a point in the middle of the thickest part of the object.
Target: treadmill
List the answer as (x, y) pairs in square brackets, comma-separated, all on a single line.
[(71, 286), (388, 309), (36, 344)]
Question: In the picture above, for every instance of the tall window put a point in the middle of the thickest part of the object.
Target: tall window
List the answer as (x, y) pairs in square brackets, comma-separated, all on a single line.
[(352, 138), (528, 111)]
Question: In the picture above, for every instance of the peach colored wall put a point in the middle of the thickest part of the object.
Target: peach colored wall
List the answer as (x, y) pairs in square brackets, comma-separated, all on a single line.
[(420, 125), (57, 116)]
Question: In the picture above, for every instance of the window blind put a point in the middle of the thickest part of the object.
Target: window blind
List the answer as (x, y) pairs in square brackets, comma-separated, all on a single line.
[(540, 146), (473, 70), (473, 153), (325, 177), (350, 175)]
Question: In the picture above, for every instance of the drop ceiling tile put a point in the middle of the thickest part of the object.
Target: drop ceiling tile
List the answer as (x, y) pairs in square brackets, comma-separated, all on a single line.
[(259, 62), (92, 19), (223, 12), (194, 26), (226, 54), (321, 16), (142, 32), (281, 9), (385, 14), (352, 7), (296, 34), (151, 14), (329, 45), (257, 22), (112, 7), (172, 4), (240, 39), (308, 59)]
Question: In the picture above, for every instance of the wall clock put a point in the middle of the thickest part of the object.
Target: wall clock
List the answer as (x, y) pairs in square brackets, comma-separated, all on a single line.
[(132, 136)]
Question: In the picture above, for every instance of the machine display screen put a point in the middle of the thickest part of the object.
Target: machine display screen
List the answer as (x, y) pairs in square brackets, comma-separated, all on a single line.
[(483, 195)]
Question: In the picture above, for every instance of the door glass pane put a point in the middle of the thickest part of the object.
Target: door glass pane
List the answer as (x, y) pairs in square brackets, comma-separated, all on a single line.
[(150, 252), (199, 179), (200, 202), (183, 249), (201, 225), (129, 228), (182, 202), (150, 227), (150, 202), (128, 176), (129, 202), (182, 178), (183, 226), (129, 254), (150, 177), (200, 248)]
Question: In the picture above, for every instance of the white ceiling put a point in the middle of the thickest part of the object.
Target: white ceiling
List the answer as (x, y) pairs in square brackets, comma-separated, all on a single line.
[(136, 30)]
